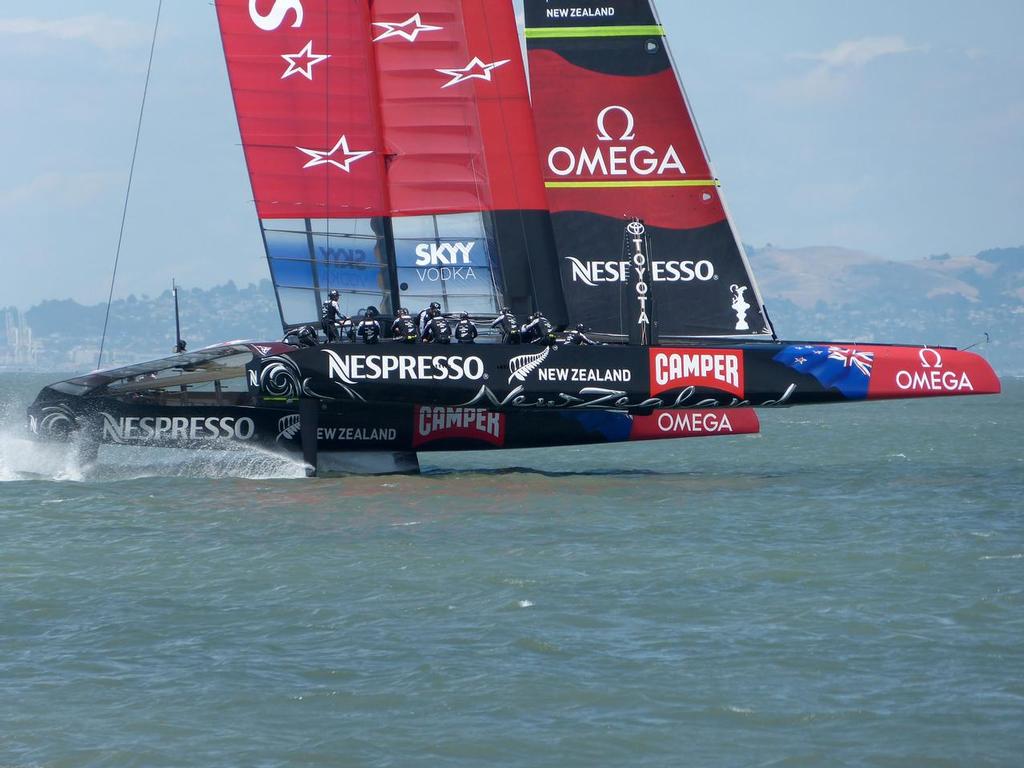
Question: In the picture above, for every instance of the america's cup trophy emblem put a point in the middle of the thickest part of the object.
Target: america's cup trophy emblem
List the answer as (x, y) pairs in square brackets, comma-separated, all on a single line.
[(740, 306)]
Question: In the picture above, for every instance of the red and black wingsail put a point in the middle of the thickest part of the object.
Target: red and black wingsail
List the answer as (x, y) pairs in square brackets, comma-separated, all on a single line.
[(645, 244), (391, 153)]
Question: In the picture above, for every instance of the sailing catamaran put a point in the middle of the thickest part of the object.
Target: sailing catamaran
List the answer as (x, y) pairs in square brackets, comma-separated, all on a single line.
[(400, 154)]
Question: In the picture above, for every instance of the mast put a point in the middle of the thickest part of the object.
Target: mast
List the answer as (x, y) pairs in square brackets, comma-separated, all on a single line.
[(177, 319)]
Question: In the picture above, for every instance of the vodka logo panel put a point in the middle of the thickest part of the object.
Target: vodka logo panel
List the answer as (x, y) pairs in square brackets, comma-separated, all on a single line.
[(445, 261)]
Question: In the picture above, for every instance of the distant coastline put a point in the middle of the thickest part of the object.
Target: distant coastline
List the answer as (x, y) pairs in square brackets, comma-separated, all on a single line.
[(812, 293)]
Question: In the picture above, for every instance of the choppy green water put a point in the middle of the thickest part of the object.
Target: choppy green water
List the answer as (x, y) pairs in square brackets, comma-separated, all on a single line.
[(844, 590)]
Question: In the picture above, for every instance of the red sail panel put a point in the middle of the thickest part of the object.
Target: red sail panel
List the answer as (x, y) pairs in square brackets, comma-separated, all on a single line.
[(305, 98), (609, 137), (458, 127)]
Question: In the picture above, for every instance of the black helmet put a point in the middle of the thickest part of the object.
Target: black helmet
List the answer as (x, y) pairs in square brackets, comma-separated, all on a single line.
[(372, 312), (506, 311), (464, 315), (535, 315), (580, 327), (403, 312), (333, 295), (306, 336), (435, 305)]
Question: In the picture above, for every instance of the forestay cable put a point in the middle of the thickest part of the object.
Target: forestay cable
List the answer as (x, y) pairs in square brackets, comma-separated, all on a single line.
[(128, 192)]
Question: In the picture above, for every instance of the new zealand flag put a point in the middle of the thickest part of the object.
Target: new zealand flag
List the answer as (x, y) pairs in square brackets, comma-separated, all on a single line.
[(847, 370)]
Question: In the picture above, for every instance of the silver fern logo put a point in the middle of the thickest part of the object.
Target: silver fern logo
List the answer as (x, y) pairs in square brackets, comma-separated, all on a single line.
[(288, 427), (521, 367)]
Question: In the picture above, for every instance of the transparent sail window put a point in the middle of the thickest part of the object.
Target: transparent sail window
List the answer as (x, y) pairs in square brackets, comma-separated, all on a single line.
[(310, 257), (356, 227), (449, 259), (452, 225), (289, 273), (353, 250), (298, 306), (287, 245), (301, 307), (285, 225)]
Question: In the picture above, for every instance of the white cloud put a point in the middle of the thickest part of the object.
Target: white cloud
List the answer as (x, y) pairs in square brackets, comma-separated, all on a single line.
[(857, 54), (100, 31), (59, 189), (836, 67)]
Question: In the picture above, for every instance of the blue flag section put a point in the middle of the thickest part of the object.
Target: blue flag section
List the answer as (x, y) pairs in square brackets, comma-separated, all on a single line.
[(846, 370)]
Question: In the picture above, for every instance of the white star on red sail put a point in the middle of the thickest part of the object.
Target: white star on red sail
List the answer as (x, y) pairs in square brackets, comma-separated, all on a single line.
[(308, 58), (475, 70), (409, 29), (326, 157)]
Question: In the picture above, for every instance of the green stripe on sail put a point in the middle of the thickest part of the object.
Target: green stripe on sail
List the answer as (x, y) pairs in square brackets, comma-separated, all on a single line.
[(630, 184), (540, 33)]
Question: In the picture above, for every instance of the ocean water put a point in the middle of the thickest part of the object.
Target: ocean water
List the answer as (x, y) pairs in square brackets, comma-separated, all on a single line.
[(846, 589)]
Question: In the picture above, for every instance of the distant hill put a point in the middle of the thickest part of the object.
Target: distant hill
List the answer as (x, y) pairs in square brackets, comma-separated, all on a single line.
[(805, 276), (824, 293), (67, 333), (836, 293)]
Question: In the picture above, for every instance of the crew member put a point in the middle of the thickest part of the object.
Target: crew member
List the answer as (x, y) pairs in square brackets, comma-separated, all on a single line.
[(404, 328), (426, 316), (508, 325), (465, 330), (438, 330), (331, 318), (539, 331), (302, 337), (369, 329), (579, 337)]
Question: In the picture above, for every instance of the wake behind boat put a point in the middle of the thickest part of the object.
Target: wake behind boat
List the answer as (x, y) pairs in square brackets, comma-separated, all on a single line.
[(399, 158)]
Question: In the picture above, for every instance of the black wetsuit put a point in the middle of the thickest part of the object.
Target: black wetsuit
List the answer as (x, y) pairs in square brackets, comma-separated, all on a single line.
[(579, 339), (424, 318), (369, 331), (404, 329), (466, 332), (438, 331), (508, 325), (331, 320), (539, 331)]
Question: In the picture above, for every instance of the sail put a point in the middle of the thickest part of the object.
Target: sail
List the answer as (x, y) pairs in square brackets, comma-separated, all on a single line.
[(391, 153), (646, 246), (471, 225)]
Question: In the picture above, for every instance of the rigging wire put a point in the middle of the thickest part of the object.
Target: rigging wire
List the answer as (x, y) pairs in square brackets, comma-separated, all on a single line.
[(987, 340), (128, 192)]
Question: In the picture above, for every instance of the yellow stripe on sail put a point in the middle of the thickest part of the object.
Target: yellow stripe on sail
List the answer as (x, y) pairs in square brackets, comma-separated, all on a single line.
[(631, 184), (539, 33)]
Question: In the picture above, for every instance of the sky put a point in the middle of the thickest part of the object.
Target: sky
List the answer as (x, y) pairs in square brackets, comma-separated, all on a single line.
[(894, 127)]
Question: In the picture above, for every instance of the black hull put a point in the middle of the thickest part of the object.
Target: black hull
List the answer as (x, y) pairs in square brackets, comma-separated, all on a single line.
[(392, 398), (364, 428)]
